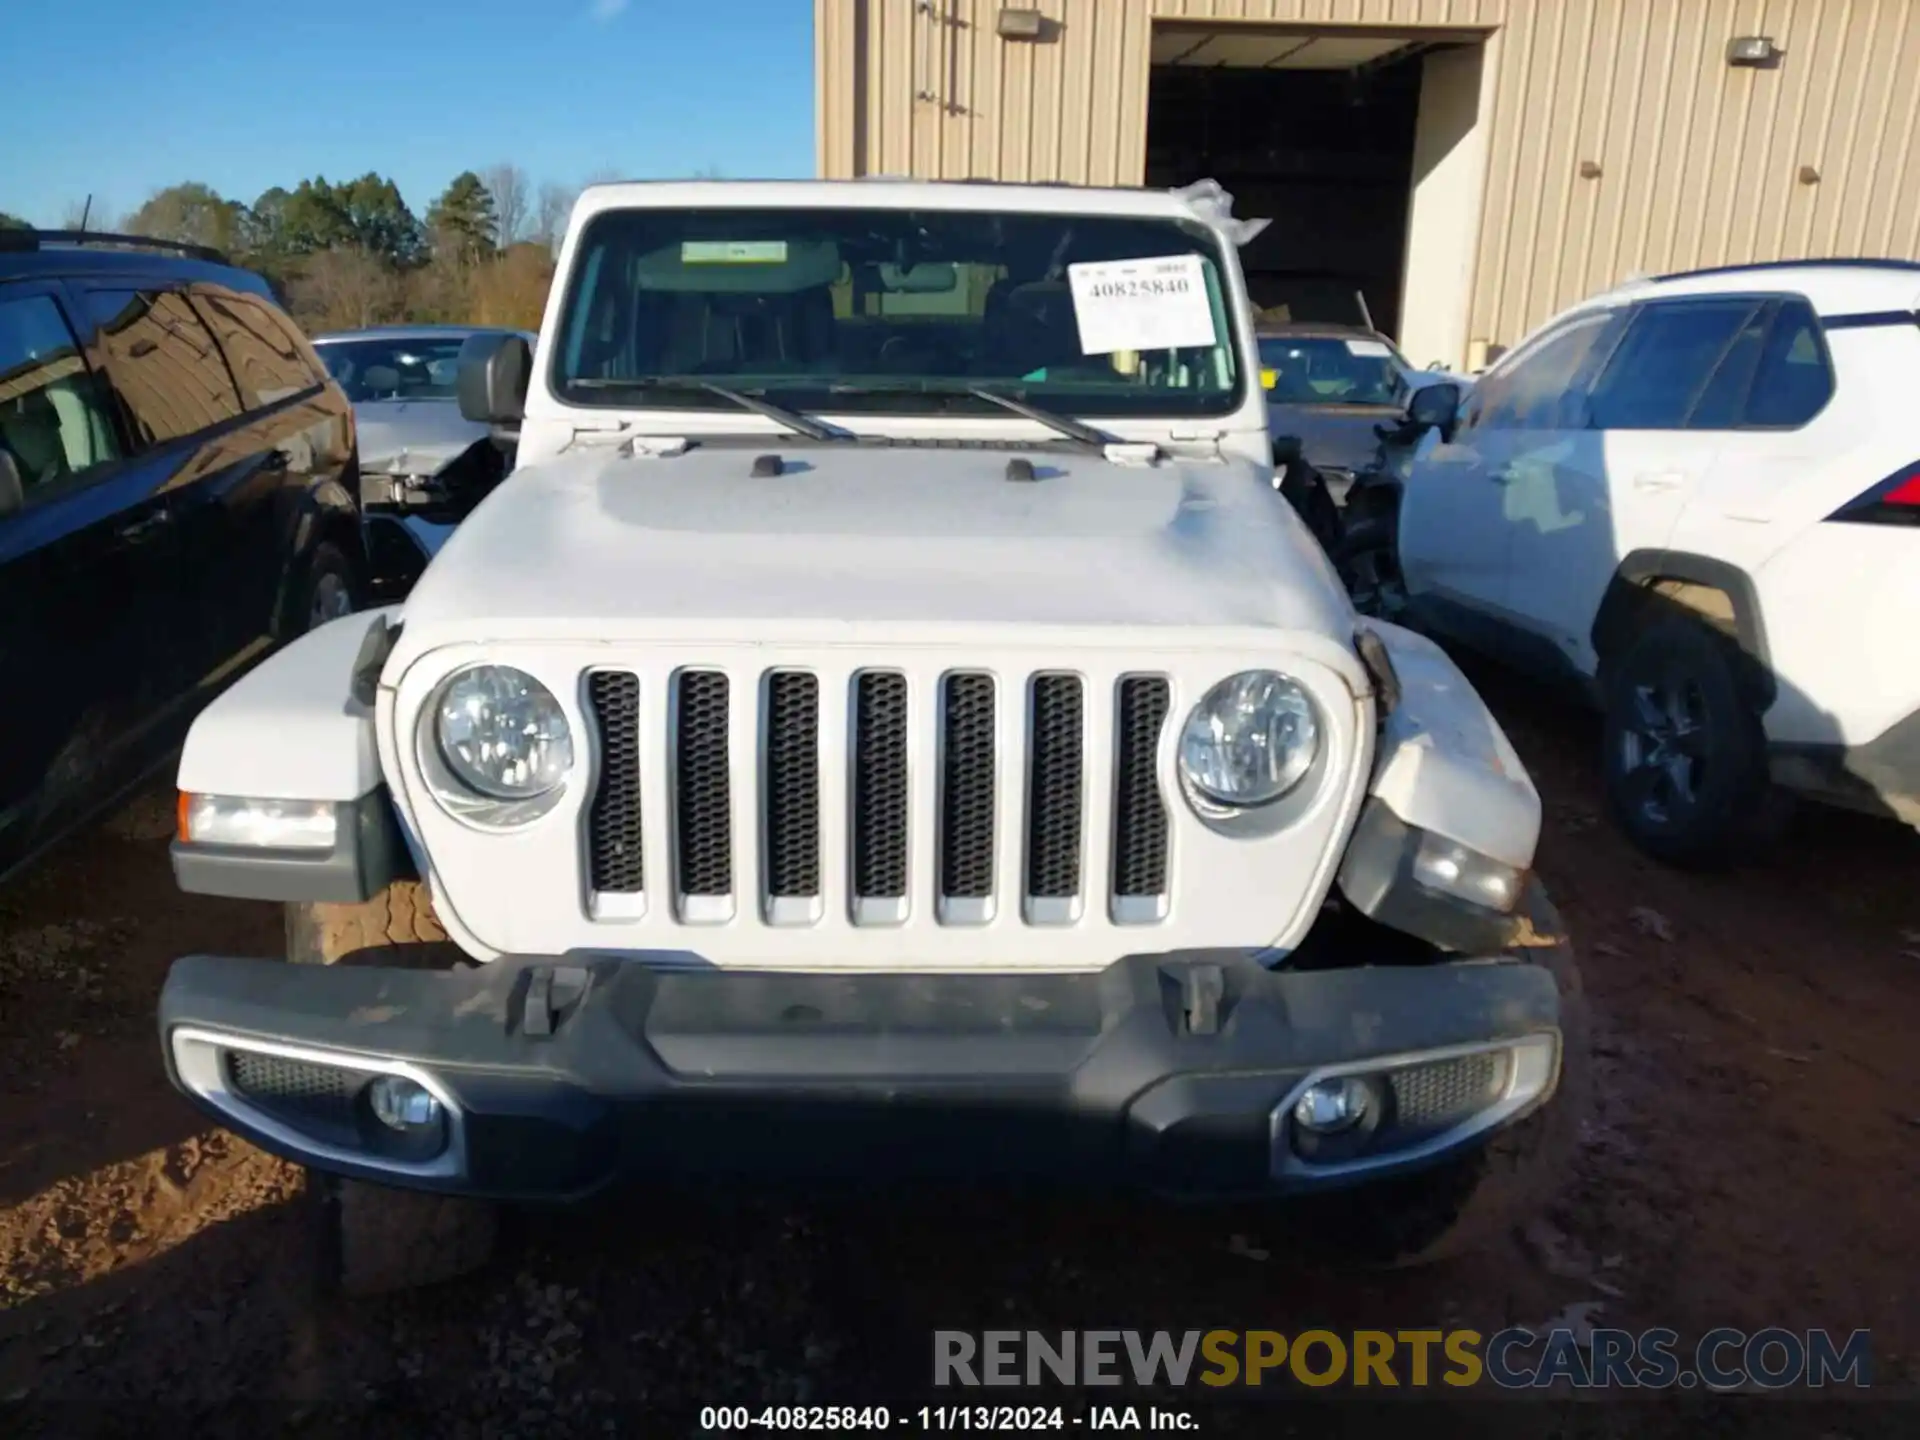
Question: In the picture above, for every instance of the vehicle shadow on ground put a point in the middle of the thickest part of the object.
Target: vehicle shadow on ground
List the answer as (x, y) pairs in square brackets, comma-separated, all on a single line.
[(645, 1306), (85, 941), (630, 1319)]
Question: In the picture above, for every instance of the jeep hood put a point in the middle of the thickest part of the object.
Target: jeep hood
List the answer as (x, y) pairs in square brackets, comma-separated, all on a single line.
[(851, 537)]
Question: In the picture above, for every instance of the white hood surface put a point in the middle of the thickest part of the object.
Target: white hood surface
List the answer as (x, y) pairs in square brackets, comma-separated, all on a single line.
[(858, 536)]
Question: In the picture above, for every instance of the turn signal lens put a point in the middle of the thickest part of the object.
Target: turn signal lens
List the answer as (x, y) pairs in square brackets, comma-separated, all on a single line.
[(258, 824), (1451, 868)]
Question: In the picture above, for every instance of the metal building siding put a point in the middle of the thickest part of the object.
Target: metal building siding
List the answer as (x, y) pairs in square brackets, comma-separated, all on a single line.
[(1699, 161)]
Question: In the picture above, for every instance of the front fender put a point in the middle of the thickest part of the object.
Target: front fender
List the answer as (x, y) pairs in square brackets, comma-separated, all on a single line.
[(1444, 765), (299, 727), (1445, 841), (292, 729)]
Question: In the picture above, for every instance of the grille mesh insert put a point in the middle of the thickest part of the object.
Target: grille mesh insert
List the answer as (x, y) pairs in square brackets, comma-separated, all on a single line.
[(1054, 796), (615, 857), (703, 794), (1140, 816), (1447, 1090), (880, 786), (966, 816), (297, 1089), (793, 784)]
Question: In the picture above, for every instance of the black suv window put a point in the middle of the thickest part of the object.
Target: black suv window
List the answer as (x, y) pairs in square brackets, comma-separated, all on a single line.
[(1794, 381), (1542, 389), (164, 364), (52, 421), (263, 351), (1723, 403), (1664, 363)]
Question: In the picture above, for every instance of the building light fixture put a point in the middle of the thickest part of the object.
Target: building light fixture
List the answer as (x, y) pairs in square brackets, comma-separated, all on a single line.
[(1752, 50), (1015, 24)]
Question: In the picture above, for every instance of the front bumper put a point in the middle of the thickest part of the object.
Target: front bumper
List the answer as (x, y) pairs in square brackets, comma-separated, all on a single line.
[(1172, 1073)]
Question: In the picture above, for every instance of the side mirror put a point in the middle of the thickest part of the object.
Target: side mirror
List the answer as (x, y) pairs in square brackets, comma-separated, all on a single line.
[(1286, 450), (13, 490), (1435, 407), (494, 371)]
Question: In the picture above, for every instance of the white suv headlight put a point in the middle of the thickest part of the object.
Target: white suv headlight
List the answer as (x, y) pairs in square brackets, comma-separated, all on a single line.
[(492, 739), (1249, 740)]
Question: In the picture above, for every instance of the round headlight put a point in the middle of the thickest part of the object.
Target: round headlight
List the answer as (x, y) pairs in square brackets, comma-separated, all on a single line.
[(502, 734), (1250, 739)]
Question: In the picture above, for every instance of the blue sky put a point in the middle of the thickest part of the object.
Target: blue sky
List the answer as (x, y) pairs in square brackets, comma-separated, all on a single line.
[(121, 97)]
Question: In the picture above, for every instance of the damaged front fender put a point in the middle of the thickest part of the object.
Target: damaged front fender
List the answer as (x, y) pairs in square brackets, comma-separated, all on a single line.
[(1445, 843)]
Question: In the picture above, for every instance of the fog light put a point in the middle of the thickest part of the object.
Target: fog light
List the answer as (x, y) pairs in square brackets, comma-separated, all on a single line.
[(402, 1104), (1331, 1106)]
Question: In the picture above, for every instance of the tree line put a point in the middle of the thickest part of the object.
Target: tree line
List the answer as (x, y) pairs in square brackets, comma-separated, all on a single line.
[(344, 254)]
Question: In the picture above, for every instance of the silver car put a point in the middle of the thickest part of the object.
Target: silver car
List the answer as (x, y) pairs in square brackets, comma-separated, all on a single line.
[(422, 467)]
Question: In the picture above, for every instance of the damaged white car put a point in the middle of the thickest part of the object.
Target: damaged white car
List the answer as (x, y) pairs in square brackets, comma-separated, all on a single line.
[(888, 727), (423, 465)]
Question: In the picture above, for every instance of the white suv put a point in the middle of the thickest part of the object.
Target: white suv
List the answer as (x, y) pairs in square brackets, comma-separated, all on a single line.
[(888, 723), (1699, 497)]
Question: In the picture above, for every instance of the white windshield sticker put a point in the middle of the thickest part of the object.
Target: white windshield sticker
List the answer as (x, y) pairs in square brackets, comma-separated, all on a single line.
[(1374, 349), (733, 252), (1154, 304)]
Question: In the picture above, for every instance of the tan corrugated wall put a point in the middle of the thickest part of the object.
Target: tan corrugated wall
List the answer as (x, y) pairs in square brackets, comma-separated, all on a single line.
[(1700, 162)]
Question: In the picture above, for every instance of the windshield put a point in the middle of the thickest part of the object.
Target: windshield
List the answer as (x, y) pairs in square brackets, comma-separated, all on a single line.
[(1330, 370), (872, 311), (396, 369)]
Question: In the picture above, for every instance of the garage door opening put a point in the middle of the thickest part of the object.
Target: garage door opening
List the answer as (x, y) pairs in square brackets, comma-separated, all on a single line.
[(1358, 144)]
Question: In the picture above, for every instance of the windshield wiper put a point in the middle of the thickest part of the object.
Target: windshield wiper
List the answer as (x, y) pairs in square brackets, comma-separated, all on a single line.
[(793, 419), (1060, 424)]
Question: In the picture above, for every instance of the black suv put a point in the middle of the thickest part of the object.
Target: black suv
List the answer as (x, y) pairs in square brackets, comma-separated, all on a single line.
[(178, 489)]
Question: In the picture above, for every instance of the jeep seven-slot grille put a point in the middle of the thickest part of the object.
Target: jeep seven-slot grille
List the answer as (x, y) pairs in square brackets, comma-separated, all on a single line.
[(703, 793), (615, 861), (1054, 789), (966, 788), (1139, 816), (793, 784), (880, 786), (958, 721)]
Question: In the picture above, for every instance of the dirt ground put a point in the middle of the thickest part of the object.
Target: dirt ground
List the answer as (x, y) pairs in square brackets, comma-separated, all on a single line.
[(1754, 1161)]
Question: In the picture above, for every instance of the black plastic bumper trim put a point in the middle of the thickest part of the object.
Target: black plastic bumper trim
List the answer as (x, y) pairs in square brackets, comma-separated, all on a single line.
[(635, 1072)]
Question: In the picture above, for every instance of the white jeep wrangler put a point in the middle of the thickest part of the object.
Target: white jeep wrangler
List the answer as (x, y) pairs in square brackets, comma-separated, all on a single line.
[(889, 726)]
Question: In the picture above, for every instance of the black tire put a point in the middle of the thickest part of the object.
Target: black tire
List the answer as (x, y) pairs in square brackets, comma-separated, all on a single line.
[(331, 587), (1471, 1201), (372, 1239), (1684, 757)]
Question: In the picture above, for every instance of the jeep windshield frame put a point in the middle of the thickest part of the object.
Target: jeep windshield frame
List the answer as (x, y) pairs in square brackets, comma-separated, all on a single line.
[(881, 311)]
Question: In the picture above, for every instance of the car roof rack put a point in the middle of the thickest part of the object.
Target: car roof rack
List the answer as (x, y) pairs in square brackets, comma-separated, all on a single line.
[(26, 240), (1849, 263)]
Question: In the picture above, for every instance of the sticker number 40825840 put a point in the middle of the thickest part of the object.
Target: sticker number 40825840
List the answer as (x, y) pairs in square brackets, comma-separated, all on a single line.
[(1158, 303)]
